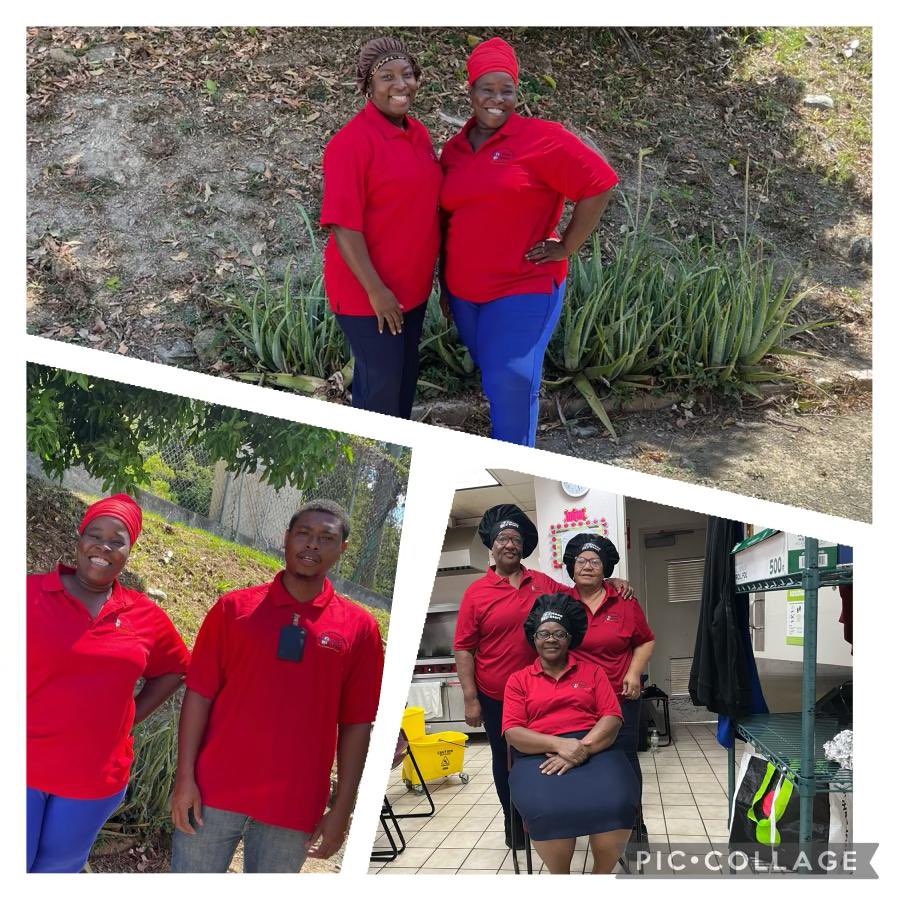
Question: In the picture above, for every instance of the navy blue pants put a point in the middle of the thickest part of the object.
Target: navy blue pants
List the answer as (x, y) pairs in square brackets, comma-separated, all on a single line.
[(507, 339), (385, 366), (492, 714), (627, 739), (60, 831)]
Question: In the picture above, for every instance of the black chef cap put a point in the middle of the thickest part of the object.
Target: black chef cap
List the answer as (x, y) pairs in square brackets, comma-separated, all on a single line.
[(561, 608), (508, 515), (602, 546)]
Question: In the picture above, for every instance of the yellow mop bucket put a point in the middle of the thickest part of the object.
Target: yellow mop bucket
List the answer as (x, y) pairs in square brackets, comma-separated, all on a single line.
[(437, 755), (413, 723)]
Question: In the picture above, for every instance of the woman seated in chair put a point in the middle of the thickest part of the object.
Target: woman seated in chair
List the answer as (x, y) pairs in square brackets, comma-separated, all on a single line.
[(561, 717)]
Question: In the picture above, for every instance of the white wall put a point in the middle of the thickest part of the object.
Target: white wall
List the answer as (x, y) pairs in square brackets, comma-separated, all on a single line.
[(832, 648), (552, 503)]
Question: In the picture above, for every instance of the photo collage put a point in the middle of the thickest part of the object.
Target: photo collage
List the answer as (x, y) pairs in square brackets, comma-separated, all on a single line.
[(446, 451)]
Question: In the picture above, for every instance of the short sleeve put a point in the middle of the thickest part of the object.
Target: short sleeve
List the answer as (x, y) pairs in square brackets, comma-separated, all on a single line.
[(605, 697), (514, 712), (557, 587), (362, 681), (466, 636), (205, 673), (566, 164), (344, 169), (641, 632), (168, 655)]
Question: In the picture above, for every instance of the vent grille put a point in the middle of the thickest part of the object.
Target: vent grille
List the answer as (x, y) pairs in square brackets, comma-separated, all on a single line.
[(685, 579), (680, 674)]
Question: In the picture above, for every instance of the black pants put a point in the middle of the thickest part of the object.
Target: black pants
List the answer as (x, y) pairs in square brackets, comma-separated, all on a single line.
[(492, 714), (385, 366)]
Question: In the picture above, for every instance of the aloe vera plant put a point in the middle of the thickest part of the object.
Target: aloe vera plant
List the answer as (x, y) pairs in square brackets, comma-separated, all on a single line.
[(289, 330), (695, 312), (145, 808)]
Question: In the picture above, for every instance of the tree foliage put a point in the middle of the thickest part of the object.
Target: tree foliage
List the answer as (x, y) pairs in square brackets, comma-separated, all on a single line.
[(76, 419)]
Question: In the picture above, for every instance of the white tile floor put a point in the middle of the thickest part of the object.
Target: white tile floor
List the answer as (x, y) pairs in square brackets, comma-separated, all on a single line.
[(684, 798)]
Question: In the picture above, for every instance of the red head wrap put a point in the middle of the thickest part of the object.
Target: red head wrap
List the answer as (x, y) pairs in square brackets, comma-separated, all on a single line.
[(119, 506), (493, 55)]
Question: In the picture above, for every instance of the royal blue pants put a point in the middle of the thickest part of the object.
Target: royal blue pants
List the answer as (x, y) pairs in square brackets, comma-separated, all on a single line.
[(507, 339), (385, 366), (61, 830)]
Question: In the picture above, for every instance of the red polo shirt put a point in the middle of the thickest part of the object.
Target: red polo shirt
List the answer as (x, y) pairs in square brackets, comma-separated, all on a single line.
[(383, 181), (575, 702), (614, 630), (81, 675), (272, 731), (503, 198), (490, 622)]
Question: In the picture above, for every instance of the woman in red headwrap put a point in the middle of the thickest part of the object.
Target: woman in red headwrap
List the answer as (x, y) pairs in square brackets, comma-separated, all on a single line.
[(380, 200), (90, 640), (503, 268)]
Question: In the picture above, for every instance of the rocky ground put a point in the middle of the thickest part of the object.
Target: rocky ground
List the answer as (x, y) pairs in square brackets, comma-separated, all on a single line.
[(166, 165)]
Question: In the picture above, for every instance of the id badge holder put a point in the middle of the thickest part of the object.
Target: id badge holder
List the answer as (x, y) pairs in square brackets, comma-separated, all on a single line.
[(291, 639)]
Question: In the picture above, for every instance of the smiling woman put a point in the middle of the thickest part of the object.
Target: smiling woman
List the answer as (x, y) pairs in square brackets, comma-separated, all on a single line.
[(380, 193), (503, 268), (89, 642), (561, 717)]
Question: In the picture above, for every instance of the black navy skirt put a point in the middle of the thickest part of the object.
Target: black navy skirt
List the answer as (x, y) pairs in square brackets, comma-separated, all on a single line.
[(600, 795)]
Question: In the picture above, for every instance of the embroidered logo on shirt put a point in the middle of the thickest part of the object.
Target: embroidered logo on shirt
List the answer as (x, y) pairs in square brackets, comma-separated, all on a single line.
[(332, 641), (501, 154), (578, 684), (612, 617)]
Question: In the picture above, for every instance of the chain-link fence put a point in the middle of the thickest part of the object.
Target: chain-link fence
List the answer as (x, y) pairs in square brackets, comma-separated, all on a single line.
[(372, 488), (199, 490)]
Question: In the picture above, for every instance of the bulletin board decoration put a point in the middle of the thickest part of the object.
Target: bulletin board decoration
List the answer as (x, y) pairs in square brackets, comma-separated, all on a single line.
[(574, 521)]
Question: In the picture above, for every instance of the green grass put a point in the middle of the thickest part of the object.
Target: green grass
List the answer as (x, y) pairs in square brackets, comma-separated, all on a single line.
[(814, 56)]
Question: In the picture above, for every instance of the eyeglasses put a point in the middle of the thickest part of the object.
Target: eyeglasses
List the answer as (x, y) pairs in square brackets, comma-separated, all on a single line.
[(588, 562), (544, 635), (515, 541)]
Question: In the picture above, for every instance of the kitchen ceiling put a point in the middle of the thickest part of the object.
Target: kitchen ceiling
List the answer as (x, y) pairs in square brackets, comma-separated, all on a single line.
[(501, 486)]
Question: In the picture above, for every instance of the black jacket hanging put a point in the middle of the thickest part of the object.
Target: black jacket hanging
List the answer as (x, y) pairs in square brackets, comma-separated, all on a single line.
[(720, 678)]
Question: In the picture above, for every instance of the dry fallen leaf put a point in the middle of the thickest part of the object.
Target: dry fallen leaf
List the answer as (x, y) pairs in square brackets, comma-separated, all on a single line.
[(179, 257)]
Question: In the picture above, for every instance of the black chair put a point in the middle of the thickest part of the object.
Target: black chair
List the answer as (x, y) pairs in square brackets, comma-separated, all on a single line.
[(656, 696), (389, 818), (516, 822)]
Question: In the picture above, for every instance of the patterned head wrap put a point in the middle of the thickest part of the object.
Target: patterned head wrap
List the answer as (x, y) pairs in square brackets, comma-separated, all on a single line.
[(375, 54)]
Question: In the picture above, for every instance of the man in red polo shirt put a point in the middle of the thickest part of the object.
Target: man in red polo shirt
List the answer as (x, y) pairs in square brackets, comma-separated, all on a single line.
[(280, 674), (489, 643)]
